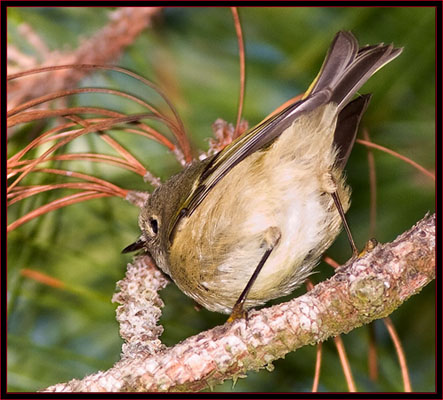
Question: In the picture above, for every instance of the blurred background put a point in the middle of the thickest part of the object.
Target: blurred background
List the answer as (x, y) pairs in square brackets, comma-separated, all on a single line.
[(56, 334)]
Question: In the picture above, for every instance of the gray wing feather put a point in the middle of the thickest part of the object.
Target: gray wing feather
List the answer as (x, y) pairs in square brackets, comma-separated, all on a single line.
[(345, 69)]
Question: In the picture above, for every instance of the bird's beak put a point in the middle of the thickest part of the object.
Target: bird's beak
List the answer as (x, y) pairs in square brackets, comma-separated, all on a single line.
[(139, 244)]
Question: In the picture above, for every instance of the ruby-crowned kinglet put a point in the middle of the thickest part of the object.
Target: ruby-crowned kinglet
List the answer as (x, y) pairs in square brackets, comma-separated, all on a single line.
[(250, 223)]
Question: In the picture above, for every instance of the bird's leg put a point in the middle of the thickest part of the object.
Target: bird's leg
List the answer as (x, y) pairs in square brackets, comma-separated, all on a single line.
[(337, 202), (270, 240), (330, 187)]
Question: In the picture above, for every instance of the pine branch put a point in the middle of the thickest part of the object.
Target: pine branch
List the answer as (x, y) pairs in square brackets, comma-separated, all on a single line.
[(361, 291), (124, 26)]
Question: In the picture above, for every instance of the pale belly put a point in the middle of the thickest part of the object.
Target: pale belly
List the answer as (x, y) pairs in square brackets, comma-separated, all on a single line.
[(217, 249)]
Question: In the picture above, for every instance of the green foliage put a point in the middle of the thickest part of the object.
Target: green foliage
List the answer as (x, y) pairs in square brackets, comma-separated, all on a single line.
[(59, 334)]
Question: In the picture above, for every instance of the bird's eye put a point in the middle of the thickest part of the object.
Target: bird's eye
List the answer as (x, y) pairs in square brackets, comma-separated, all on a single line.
[(154, 225)]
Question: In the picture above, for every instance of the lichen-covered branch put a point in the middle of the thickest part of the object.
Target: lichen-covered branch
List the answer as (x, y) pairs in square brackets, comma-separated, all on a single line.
[(361, 291), (140, 307)]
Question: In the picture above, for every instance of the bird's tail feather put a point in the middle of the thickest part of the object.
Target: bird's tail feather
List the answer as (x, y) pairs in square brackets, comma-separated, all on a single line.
[(346, 67)]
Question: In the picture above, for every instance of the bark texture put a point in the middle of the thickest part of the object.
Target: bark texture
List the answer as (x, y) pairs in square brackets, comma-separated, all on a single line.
[(361, 291)]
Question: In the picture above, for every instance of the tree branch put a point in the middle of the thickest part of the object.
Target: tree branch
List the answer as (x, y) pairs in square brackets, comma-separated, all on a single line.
[(125, 24), (361, 291)]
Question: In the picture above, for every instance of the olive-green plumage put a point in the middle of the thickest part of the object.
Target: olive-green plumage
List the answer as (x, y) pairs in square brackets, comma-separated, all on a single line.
[(209, 226)]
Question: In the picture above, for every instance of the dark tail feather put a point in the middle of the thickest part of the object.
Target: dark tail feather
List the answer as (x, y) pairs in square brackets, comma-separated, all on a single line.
[(341, 53), (346, 68), (347, 126)]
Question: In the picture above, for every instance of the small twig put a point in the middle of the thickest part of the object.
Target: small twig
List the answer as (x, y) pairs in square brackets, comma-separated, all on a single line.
[(27, 191), (345, 363), (309, 286), (328, 260), (177, 128), (63, 202), (241, 52), (372, 187), (125, 24), (140, 307), (397, 155), (137, 198), (340, 345), (91, 128), (42, 278), (318, 359), (400, 354), (372, 354), (372, 348), (95, 157)]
